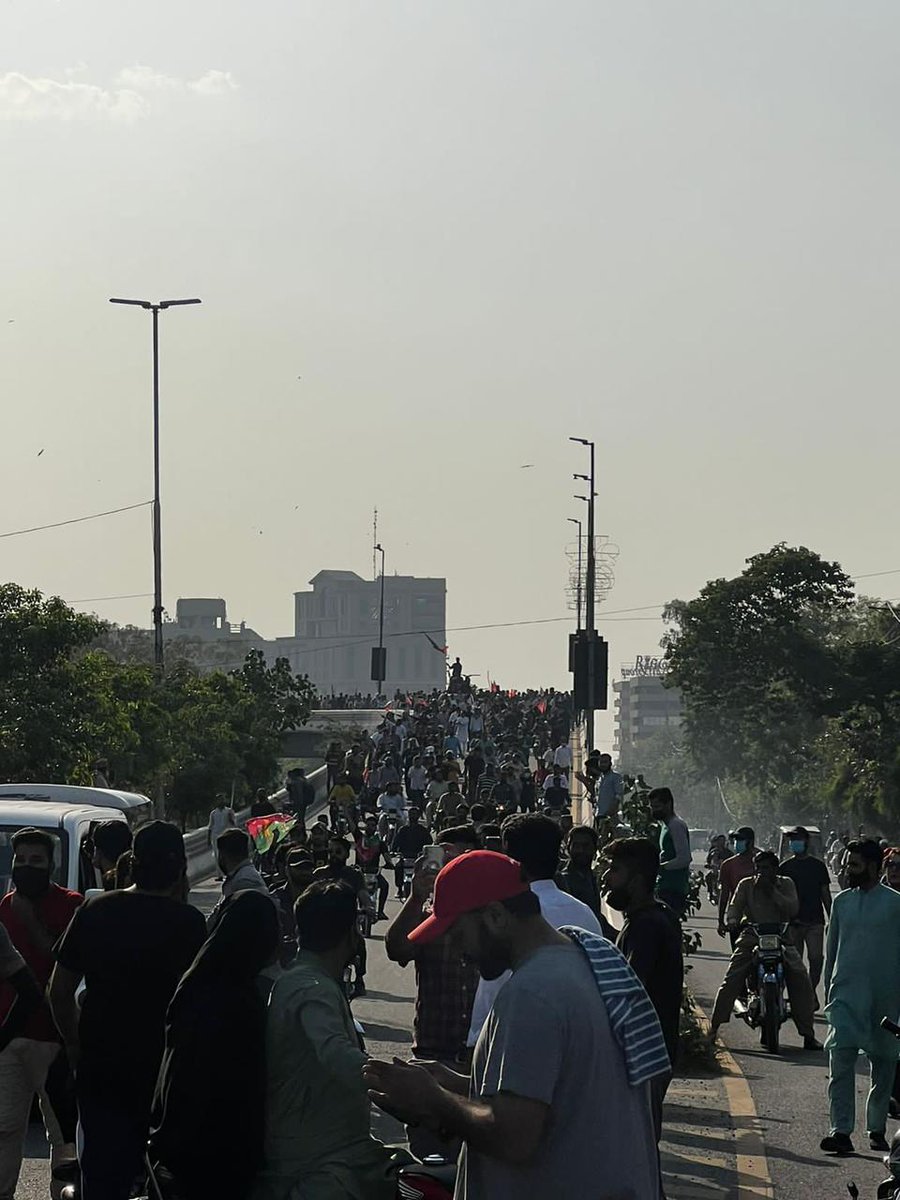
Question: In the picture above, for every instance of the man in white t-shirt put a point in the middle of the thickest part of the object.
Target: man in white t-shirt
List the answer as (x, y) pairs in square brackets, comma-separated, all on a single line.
[(562, 757), (220, 819), (534, 841)]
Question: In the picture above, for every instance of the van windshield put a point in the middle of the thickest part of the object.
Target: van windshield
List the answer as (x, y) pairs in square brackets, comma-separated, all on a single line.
[(6, 854)]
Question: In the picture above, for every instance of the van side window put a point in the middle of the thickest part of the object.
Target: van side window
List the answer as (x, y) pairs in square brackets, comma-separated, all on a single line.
[(88, 876)]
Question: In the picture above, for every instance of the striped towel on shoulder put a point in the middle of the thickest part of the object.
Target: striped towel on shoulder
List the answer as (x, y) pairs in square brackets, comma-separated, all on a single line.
[(632, 1016)]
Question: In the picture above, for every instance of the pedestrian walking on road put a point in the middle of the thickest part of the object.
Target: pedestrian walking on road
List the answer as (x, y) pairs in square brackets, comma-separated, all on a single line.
[(34, 914), (674, 880), (555, 1104), (813, 884), (862, 985), (221, 818)]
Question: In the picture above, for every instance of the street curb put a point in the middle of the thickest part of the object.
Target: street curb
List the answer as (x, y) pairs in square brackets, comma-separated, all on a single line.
[(754, 1181)]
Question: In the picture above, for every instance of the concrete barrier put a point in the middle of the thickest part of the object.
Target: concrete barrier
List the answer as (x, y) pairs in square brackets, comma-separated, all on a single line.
[(200, 857)]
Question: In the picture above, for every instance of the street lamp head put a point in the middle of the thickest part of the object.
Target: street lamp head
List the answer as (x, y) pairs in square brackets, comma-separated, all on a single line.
[(586, 478), (176, 303), (584, 498), (580, 441), (575, 521), (136, 303), (379, 548)]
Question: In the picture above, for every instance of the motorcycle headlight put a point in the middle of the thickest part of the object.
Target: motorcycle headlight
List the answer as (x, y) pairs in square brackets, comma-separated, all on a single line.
[(769, 942)]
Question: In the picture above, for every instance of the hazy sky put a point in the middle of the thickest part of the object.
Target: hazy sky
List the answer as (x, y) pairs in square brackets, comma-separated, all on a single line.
[(471, 228)]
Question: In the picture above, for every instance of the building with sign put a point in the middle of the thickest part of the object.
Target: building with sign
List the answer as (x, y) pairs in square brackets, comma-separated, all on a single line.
[(643, 706)]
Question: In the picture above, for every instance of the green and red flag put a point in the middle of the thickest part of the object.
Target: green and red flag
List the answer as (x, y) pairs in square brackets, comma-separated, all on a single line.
[(265, 832)]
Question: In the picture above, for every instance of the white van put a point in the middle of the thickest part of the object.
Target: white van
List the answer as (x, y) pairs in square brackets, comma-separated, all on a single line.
[(136, 807), (70, 826)]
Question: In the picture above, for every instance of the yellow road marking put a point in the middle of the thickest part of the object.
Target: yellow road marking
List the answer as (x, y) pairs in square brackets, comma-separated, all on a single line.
[(753, 1179)]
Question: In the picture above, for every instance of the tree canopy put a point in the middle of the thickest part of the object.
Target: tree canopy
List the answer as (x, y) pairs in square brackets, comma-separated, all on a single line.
[(64, 703), (791, 685)]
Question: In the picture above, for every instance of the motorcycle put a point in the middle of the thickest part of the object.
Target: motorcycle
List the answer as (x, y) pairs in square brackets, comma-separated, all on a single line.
[(766, 1007), (409, 867), (711, 879), (365, 918)]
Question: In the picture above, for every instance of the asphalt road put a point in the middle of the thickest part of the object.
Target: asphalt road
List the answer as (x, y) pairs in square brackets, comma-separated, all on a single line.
[(789, 1093)]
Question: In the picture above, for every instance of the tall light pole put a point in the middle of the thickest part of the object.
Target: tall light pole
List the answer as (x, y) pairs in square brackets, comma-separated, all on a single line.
[(157, 524), (589, 594), (381, 663), (575, 521)]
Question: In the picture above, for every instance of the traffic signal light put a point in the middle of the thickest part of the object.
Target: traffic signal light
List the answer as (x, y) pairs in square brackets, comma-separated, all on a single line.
[(581, 645)]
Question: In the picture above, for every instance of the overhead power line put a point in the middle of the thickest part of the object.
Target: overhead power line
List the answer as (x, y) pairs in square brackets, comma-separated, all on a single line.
[(75, 521)]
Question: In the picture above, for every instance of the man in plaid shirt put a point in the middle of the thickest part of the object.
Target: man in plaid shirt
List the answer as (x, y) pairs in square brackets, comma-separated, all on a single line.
[(445, 984)]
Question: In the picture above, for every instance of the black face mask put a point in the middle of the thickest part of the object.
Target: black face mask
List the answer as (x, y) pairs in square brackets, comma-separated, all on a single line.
[(856, 878), (618, 899), (32, 882)]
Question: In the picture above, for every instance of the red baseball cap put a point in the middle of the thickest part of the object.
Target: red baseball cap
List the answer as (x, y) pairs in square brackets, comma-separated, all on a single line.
[(468, 882)]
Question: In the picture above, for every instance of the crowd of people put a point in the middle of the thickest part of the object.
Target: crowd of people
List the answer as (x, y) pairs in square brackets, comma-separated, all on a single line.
[(544, 1038)]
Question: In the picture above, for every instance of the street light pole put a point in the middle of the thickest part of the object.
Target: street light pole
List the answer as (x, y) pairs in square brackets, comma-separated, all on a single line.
[(158, 654), (380, 549), (589, 595), (575, 521)]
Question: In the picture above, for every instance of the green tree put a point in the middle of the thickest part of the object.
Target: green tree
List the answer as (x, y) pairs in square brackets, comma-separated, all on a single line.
[(755, 660), (41, 735)]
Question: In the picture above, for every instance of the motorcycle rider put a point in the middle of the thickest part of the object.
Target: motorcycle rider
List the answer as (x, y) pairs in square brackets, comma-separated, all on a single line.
[(733, 870), (371, 849), (337, 870), (813, 884), (409, 841), (765, 899), (391, 801), (717, 854)]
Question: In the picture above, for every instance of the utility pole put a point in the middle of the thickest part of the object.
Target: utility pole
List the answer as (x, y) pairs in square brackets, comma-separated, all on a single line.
[(158, 652), (576, 521), (589, 596), (381, 654)]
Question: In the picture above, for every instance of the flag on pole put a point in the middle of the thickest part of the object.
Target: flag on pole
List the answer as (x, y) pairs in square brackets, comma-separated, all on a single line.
[(264, 832), (440, 649)]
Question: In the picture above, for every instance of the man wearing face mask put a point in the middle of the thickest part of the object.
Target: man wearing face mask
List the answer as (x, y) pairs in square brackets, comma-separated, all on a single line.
[(34, 914), (813, 884), (766, 899), (862, 985), (733, 870)]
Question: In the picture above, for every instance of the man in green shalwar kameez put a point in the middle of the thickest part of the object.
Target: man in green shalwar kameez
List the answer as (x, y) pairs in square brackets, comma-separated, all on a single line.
[(318, 1145), (862, 982)]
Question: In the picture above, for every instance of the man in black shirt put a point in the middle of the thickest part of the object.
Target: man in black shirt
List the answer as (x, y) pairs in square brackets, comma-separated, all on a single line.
[(409, 842), (261, 806), (813, 884), (131, 948), (577, 874), (651, 942), (337, 869)]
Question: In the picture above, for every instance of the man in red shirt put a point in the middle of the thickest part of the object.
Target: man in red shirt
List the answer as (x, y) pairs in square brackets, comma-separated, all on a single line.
[(733, 870), (34, 914)]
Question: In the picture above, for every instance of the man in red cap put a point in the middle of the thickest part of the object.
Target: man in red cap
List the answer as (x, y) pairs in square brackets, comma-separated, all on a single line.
[(548, 1105)]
